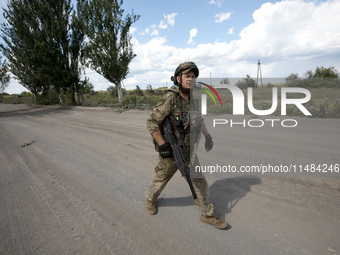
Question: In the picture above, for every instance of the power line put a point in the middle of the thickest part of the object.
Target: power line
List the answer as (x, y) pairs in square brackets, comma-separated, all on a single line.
[(259, 72)]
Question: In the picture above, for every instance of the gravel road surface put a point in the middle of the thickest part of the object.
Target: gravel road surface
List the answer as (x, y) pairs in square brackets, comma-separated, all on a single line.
[(72, 181)]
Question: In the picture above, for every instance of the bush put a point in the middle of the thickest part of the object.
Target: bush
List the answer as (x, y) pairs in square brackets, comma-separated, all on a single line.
[(247, 82), (51, 98), (25, 94), (160, 92), (149, 90), (138, 91), (113, 91), (269, 85), (292, 80), (319, 83)]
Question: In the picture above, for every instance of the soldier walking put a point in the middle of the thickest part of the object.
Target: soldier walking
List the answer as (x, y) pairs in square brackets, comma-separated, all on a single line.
[(176, 104)]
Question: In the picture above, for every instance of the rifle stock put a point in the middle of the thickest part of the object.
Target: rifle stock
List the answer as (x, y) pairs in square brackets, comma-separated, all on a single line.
[(179, 151)]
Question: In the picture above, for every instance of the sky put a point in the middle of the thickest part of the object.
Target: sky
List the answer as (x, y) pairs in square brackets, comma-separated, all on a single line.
[(226, 38)]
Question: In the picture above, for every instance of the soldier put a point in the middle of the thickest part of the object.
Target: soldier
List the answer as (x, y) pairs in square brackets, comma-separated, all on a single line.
[(172, 103)]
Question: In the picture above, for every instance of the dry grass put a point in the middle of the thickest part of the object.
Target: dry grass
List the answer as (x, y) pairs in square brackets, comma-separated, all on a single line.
[(324, 103)]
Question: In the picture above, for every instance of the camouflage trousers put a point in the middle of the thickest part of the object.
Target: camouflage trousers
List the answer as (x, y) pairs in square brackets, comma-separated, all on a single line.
[(165, 169)]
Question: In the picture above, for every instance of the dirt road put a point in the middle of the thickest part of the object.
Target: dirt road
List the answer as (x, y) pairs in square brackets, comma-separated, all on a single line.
[(78, 185)]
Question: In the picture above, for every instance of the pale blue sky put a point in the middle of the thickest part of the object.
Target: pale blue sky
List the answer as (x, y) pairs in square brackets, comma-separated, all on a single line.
[(226, 38), (216, 20)]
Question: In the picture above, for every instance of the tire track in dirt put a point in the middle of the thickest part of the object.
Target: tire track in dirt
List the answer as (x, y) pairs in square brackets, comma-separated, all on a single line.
[(55, 201), (79, 189), (60, 197)]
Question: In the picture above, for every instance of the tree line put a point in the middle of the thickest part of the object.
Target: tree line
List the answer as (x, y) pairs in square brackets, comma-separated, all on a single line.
[(49, 43), (321, 77)]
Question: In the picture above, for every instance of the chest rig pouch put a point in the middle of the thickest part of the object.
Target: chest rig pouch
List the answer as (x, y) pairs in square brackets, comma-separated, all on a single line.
[(187, 118), (182, 124)]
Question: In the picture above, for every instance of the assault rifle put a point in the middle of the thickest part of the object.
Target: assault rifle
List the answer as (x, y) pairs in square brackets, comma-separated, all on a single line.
[(179, 151)]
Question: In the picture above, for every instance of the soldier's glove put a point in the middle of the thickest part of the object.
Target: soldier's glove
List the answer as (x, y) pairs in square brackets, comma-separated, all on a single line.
[(165, 150), (208, 142)]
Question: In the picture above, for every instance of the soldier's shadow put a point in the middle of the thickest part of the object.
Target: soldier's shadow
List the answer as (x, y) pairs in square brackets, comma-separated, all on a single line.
[(224, 194)]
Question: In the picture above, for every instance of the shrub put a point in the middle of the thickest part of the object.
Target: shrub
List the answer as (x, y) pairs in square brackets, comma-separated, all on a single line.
[(113, 91), (138, 91), (247, 82), (149, 90)]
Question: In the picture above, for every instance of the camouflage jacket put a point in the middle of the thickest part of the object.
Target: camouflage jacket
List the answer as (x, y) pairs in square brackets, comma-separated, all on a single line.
[(172, 104)]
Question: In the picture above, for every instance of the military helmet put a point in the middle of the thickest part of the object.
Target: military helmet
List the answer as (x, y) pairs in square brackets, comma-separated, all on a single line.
[(185, 68)]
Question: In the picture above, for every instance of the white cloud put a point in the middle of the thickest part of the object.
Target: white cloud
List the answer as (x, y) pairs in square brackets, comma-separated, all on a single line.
[(230, 31), (154, 30), (193, 33), (162, 25), (133, 30), (222, 17), (288, 37), (291, 28), (146, 31), (219, 3), (170, 18)]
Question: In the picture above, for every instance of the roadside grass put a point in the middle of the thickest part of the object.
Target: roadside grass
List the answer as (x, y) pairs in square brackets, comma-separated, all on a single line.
[(104, 99), (17, 99), (324, 102)]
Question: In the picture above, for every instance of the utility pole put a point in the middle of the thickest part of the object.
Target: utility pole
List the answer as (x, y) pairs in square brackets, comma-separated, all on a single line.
[(259, 72)]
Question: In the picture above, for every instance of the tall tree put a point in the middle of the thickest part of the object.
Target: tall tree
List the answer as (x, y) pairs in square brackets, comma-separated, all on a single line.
[(4, 77), (76, 46), (109, 48), (41, 43), (22, 45)]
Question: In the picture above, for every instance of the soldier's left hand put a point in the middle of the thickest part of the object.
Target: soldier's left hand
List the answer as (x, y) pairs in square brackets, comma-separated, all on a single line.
[(208, 142)]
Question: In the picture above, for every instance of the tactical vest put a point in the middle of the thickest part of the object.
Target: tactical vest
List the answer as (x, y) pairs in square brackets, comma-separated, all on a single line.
[(186, 121)]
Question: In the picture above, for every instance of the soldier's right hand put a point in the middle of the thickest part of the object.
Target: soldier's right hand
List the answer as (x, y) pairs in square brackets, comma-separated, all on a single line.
[(165, 150)]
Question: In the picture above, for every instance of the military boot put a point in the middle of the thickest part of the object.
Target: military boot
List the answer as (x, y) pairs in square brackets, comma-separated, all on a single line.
[(215, 221), (151, 207)]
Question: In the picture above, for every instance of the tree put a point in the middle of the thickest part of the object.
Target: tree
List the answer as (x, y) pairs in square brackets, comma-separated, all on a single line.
[(109, 49), (246, 83), (309, 74), (225, 81), (4, 77), (42, 41), (322, 72), (81, 88), (138, 91), (112, 90), (76, 45), (150, 90), (87, 86), (21, 45)]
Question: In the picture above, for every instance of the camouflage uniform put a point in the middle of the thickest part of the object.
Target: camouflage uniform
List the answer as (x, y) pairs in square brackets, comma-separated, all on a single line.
[(169, 105)]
